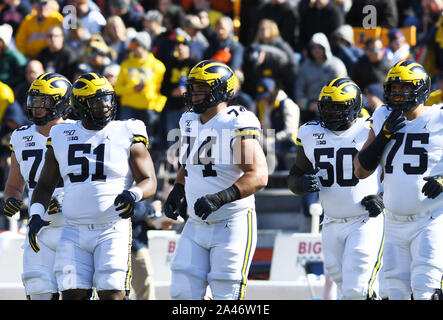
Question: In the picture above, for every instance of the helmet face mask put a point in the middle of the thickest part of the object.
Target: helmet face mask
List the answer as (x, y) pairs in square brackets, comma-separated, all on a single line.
[(214, 81), (339, 104), (94, 100), (407, 85), (50, 91)]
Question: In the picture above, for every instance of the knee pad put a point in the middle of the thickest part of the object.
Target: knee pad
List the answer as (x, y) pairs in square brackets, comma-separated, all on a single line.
[(185, 286)]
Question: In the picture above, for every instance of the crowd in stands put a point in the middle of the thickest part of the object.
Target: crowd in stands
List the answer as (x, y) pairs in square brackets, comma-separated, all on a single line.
[(283, 52)]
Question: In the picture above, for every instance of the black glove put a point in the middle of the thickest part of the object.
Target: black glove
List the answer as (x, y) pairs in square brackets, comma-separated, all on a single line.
[(373, 204), (207, 204), (310, 183), (393, 123), (125, 203), (35, 224), (173, 202), (433, 186), (54, 206), (12, 206)]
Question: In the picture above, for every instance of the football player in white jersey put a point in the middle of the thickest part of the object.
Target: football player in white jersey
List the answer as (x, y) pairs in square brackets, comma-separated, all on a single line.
[(352, 234), (407, 139), (47, 101), (222, 166), (98, 160)]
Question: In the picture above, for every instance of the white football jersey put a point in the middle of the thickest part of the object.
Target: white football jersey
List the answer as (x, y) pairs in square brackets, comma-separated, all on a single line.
[(95, 167), (413, 153), (206, 151), (29, 147), (333, 152)]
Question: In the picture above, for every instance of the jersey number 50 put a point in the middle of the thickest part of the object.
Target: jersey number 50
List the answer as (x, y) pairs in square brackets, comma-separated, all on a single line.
[(339, 161)]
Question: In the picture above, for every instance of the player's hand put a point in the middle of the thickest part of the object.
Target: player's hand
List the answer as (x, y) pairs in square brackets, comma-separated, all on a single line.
[(433, 186), (125, 203), (373, 204), (173, 202), (12, 206), (310, 183), (35, 224), (394, 122), (54, 206), (204, 206)]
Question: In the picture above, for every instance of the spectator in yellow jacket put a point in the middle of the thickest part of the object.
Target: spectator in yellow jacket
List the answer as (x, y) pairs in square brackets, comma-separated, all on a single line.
[(31, 34), (138, 84)]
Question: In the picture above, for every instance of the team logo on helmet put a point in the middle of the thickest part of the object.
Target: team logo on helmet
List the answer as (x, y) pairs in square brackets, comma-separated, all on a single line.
[(415, 89), (220, 79), (339, 104), (94, 99), (51, 91)]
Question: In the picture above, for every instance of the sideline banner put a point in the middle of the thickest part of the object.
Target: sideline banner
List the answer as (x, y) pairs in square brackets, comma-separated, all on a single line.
[(291, 252)]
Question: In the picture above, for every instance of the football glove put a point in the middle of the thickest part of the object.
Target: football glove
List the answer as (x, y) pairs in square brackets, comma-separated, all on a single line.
[(125, 203), (373, 204), (310, 183), (54, 206), (393, 123), (12, 206), (207, 204), (433, 186), (173, 202), (35, 224)]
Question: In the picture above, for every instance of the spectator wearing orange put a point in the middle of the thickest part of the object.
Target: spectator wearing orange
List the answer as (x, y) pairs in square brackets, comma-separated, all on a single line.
[(228, 50), (30, 38)]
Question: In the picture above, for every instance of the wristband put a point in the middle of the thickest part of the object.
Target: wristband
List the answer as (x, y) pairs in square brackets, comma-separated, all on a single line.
[(137, 192), (228, 195), (37, 208)]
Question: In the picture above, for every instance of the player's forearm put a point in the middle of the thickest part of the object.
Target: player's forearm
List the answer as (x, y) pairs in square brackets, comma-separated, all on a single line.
[(42, 194), (252, 181), (359, 171), (13, 192), (148, 186), (295, 184), (180, 177)]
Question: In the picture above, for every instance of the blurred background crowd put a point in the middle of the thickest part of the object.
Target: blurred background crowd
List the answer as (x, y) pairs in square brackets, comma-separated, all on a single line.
[(283, 52)]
